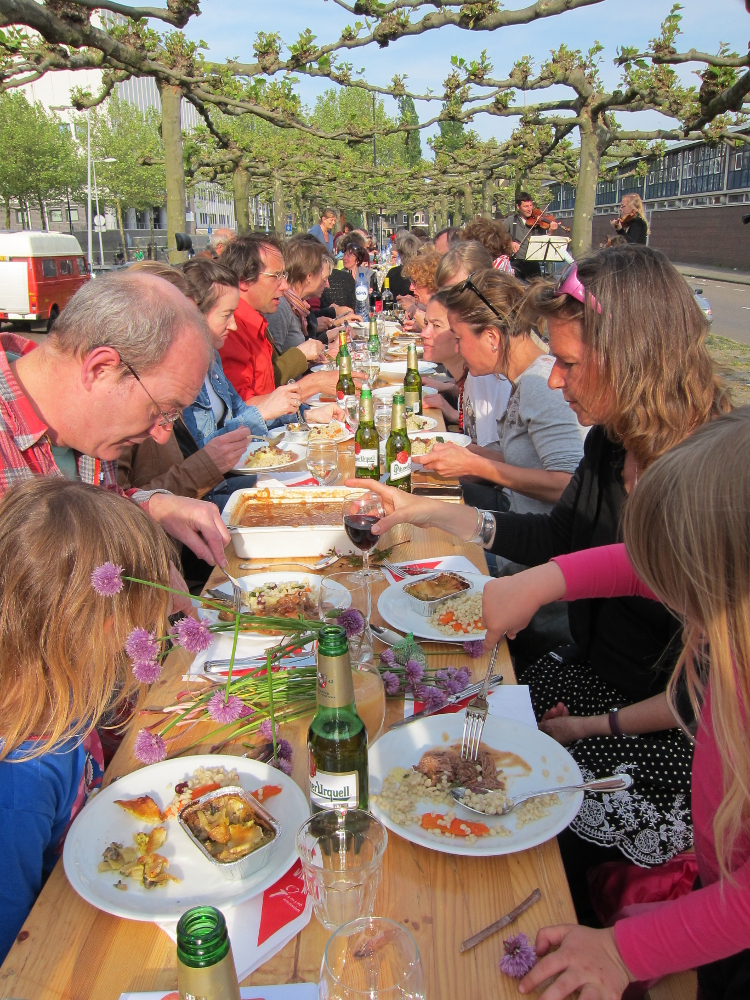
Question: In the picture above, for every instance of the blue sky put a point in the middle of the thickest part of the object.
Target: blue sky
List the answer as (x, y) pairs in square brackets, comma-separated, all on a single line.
[(229, 27)]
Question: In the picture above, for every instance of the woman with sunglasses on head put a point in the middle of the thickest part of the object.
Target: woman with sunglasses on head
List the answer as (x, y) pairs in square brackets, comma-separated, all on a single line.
[(630, 354)]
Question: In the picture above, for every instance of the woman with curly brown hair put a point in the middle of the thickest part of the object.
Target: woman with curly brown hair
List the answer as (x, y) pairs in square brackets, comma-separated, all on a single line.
[(421, 271), (630, 354), (494, 236)]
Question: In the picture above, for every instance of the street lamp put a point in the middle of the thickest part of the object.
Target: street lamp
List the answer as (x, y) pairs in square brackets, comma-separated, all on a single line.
[(68, 107), (106, 159)]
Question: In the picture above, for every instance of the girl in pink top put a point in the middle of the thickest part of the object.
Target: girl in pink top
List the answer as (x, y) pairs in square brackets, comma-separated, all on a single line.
[(687, 544)]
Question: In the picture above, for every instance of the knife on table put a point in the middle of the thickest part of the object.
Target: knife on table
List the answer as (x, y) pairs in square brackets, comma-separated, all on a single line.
[(468, 692)]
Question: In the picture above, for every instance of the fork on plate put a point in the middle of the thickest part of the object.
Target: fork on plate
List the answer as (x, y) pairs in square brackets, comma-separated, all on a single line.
[(476, 715)]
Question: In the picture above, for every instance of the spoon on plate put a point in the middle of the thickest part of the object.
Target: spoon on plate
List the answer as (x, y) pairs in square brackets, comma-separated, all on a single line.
[(613, 783)]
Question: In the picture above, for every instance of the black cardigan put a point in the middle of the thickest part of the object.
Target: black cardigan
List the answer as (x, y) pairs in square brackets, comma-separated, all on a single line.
[(636, 232), (632, 642)]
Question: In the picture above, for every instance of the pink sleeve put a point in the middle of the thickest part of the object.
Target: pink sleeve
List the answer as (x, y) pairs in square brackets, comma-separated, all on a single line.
[(703, 926), (603, 572)]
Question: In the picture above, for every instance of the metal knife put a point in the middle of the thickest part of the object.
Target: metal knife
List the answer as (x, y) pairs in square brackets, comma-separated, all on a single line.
[(468, 692), (243, 663)]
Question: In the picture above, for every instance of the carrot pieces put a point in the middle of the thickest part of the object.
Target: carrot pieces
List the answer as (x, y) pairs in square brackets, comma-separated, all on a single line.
[(458, 827)]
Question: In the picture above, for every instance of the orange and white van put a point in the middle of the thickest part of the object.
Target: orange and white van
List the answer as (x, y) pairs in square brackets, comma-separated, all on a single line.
[(39, 272)]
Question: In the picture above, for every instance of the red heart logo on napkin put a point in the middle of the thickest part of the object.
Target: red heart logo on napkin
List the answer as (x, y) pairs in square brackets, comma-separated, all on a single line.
[(283, 902)]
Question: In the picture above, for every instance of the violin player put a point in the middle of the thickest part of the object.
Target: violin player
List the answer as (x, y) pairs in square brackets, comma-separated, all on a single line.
[(520, 225), (631, 222)]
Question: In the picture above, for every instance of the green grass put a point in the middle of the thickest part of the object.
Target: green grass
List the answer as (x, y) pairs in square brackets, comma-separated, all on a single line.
[(733, 361)]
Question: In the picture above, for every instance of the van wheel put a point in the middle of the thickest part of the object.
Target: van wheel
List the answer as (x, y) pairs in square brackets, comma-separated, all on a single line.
[(53, 314)]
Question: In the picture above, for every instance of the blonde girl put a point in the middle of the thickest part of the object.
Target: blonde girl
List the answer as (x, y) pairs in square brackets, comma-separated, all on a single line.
[(62, 661), (631, 222)]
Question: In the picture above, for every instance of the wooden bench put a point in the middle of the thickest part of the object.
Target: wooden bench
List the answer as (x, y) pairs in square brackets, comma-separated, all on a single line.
[(681, 986)]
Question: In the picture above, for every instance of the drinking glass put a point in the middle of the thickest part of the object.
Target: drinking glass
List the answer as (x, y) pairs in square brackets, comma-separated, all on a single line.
[(341, 851), (351, 410), (360, 513), (369, 694), (339, 592), (323, 461), (383, 410), (371, 958)]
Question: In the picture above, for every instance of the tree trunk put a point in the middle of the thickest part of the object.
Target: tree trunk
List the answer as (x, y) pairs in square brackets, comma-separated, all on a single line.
[(174, 165), (278, 206), (121, 227), (7, 214), (42, 213), (152, 252), (588, 176), (468, 203), (457, 210), (241, 181)]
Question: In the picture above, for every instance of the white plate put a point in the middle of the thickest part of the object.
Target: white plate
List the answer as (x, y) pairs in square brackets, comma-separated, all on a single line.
[(403, 747), (296, 452), (449, 437), (344, 434), (394, 371), (387, 392), (395, 609), (401, 351), (102, 822), (430, 424)]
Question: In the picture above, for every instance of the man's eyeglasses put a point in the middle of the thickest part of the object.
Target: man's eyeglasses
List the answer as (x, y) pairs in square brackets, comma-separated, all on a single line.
[(278, 275), (167, 419), (570, 284), (469, 284)]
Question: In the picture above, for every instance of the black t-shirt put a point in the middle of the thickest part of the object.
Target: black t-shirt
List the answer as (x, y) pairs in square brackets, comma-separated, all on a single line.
[(340, 290), (398, 284), (632, 642)]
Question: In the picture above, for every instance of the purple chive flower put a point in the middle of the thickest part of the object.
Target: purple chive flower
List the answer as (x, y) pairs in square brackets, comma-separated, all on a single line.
[(265, 729), (224, 711), (388, 656), (452, 680), (283, 765), (284, 749), (391, 682), (192, 635), (107, 579), (352, 622), (141, 645), (149, 747), (474, 647), (147, 671), (431, 696), (463, 676), (414, 672), (246, 710), (519, 957)]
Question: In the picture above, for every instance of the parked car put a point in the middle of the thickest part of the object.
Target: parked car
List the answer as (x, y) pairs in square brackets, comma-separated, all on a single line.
[(39, 273), (705, 305)]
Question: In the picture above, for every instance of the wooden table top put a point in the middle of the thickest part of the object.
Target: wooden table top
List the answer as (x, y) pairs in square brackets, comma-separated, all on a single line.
[(68, 950)]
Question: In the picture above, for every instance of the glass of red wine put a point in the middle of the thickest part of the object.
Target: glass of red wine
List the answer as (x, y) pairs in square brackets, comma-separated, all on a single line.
[(360, 515)]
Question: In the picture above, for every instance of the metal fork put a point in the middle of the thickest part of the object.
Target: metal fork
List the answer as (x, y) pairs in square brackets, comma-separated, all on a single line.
[(236, 590), (476, 715)]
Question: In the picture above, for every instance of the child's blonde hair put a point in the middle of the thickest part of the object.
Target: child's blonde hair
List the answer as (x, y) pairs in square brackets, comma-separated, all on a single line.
[(61, 643), (687, 531)]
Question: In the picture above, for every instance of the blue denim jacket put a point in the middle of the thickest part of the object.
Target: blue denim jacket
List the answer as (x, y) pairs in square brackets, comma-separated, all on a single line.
[(199, 417)]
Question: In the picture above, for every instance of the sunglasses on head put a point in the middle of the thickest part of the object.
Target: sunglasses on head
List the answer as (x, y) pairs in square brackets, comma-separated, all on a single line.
[(469, 284), (570, 284)]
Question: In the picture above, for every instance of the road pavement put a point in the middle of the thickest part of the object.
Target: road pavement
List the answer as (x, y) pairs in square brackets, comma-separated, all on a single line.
[(730, 304)]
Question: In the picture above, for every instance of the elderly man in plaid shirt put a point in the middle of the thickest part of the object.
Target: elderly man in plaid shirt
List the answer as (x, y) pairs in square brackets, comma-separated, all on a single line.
[(125, 356)]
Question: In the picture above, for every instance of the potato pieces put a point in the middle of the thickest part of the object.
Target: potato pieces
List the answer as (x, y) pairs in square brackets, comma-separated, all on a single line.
[(143, 808), (141, 862)]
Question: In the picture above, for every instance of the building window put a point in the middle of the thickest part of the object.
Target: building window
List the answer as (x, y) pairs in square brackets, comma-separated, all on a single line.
[(55, 215), (20, 216), (738, 175), (405, 219), (606, 193), (73, 215), (703, 169)]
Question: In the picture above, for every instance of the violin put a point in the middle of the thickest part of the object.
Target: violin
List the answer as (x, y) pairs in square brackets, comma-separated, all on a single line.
[(542, 220), (625, 220)]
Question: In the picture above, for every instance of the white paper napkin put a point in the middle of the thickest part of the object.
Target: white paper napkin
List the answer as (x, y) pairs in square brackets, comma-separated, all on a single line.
[(508, 701)]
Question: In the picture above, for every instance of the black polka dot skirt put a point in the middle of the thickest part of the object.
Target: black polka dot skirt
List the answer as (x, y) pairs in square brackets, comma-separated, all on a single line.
[(650, 822)]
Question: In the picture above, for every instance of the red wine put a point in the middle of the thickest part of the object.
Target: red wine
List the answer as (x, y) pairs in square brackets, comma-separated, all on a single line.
[(359, 529)]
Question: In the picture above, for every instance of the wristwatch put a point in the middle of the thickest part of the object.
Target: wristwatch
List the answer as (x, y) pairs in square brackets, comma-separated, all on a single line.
[(614, 721)]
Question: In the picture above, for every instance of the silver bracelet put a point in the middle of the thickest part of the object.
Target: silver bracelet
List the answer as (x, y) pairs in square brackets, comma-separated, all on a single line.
[(485, 528)]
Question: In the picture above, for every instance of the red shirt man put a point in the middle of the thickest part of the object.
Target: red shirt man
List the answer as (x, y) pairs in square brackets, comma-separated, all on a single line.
[(247, 354)]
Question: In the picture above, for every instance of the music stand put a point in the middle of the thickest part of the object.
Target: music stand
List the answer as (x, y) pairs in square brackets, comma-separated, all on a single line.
[(548, 248)]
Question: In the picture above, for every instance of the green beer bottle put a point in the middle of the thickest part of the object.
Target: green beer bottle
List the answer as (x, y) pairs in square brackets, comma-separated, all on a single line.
[(205, 967), (412, 383), (373, 343), (337, 738), (343, 346), (398, 448), (345, 388), (366, 440)]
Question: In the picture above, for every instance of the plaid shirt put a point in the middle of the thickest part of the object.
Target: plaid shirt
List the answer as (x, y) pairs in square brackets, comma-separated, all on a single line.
[(24, 446)]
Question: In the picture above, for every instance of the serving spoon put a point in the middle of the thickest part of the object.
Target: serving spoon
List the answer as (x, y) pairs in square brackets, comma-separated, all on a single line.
[(613, 783)]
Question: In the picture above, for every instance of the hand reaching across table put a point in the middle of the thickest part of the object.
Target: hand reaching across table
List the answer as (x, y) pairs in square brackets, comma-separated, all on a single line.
[(510, 602), (325, 414), (449, 459), (195, 523), (584, 959)]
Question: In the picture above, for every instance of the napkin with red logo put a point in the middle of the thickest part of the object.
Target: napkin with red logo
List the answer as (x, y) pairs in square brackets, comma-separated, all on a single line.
[(459, 564), (263, 925)]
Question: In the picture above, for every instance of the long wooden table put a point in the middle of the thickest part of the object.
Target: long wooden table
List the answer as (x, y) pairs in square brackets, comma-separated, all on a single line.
[(68, 950)]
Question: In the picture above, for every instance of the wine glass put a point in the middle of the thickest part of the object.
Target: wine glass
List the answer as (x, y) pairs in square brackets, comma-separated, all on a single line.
[(351, 409), (371, 958), (360, 514), (340, 592), (323, 461)]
